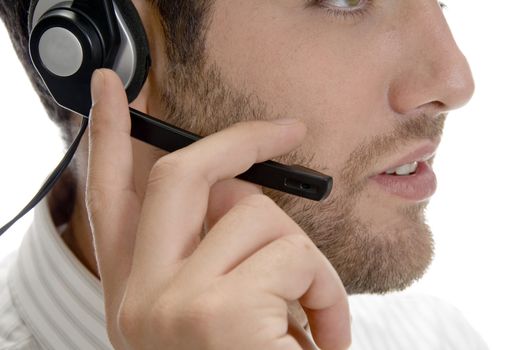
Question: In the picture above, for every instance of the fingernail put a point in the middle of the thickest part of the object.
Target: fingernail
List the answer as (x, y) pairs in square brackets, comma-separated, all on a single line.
[(285, 121), (97, 86)]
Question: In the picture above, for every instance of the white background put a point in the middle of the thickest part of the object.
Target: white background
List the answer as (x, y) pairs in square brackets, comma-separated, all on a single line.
[(478, 213)]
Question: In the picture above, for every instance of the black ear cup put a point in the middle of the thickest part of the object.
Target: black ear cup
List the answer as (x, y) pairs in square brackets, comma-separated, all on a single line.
[(134, 25), (70, 39)]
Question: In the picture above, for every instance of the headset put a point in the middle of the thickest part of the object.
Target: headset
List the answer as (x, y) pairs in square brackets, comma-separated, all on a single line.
[(69, 40)]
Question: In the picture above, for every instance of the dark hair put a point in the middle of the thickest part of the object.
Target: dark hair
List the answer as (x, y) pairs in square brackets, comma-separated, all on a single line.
[(14, 14), (182, 20), (183, 24)]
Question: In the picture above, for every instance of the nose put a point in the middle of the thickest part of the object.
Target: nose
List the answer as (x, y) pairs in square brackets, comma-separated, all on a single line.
[(432, 69)]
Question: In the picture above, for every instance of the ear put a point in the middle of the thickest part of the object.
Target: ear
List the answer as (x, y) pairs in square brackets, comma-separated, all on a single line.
[(143, 100), (148, 97)]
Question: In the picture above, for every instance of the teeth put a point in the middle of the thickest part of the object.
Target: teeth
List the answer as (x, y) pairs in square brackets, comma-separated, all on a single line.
[(405, 169)]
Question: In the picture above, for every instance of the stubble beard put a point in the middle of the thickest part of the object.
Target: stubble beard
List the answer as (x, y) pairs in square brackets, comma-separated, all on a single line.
[(367, 259)]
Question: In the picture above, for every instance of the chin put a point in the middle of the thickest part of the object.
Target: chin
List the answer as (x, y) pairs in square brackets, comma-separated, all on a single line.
[(369, 255), (384, 260)]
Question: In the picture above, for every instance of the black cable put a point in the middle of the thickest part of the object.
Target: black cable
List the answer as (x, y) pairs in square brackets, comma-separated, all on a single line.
[(52, 178)]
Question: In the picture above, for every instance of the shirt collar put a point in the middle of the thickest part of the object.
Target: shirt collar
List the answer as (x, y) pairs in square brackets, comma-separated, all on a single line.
[(56, 296)]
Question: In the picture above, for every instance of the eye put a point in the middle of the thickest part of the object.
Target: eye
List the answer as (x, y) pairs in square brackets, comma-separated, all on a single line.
[(343, 8), (343, 4)]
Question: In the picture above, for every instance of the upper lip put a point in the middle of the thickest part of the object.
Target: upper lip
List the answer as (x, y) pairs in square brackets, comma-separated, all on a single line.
[(419, 153)]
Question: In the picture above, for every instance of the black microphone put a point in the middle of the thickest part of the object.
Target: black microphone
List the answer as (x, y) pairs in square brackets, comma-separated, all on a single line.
[(292, 179)]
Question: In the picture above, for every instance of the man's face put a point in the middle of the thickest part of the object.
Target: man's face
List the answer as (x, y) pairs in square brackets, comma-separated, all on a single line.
[(371, 80)]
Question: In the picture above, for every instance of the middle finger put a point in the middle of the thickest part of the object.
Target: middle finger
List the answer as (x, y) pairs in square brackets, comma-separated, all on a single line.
[(176, 199)]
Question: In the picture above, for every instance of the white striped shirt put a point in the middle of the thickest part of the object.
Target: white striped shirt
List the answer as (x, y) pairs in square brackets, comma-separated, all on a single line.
[(49, 300)]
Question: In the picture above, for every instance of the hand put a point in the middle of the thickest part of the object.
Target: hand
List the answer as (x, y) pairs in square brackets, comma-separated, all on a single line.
[(164, 288)]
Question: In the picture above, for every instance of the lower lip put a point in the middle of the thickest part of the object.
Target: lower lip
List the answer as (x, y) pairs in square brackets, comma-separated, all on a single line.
[(416, 187)]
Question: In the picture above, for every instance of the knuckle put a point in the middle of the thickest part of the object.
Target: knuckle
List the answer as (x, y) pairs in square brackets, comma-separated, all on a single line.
[(164, 315), (99, 201), (190, 318), (95, 199), (128, 320), (98, 122), (170, 167), (167, 166), (257, 207), (258, 202), (297, 242), (252, 135), (204, 314), (208, 305)]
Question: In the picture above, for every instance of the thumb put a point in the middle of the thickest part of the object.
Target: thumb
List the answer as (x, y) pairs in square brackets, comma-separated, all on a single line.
[(111, 199)]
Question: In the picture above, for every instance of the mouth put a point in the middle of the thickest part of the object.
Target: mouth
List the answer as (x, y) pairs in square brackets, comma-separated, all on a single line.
[(410, 177)]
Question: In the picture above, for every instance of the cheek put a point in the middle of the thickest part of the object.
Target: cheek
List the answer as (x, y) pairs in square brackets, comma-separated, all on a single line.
[(300, 66)]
